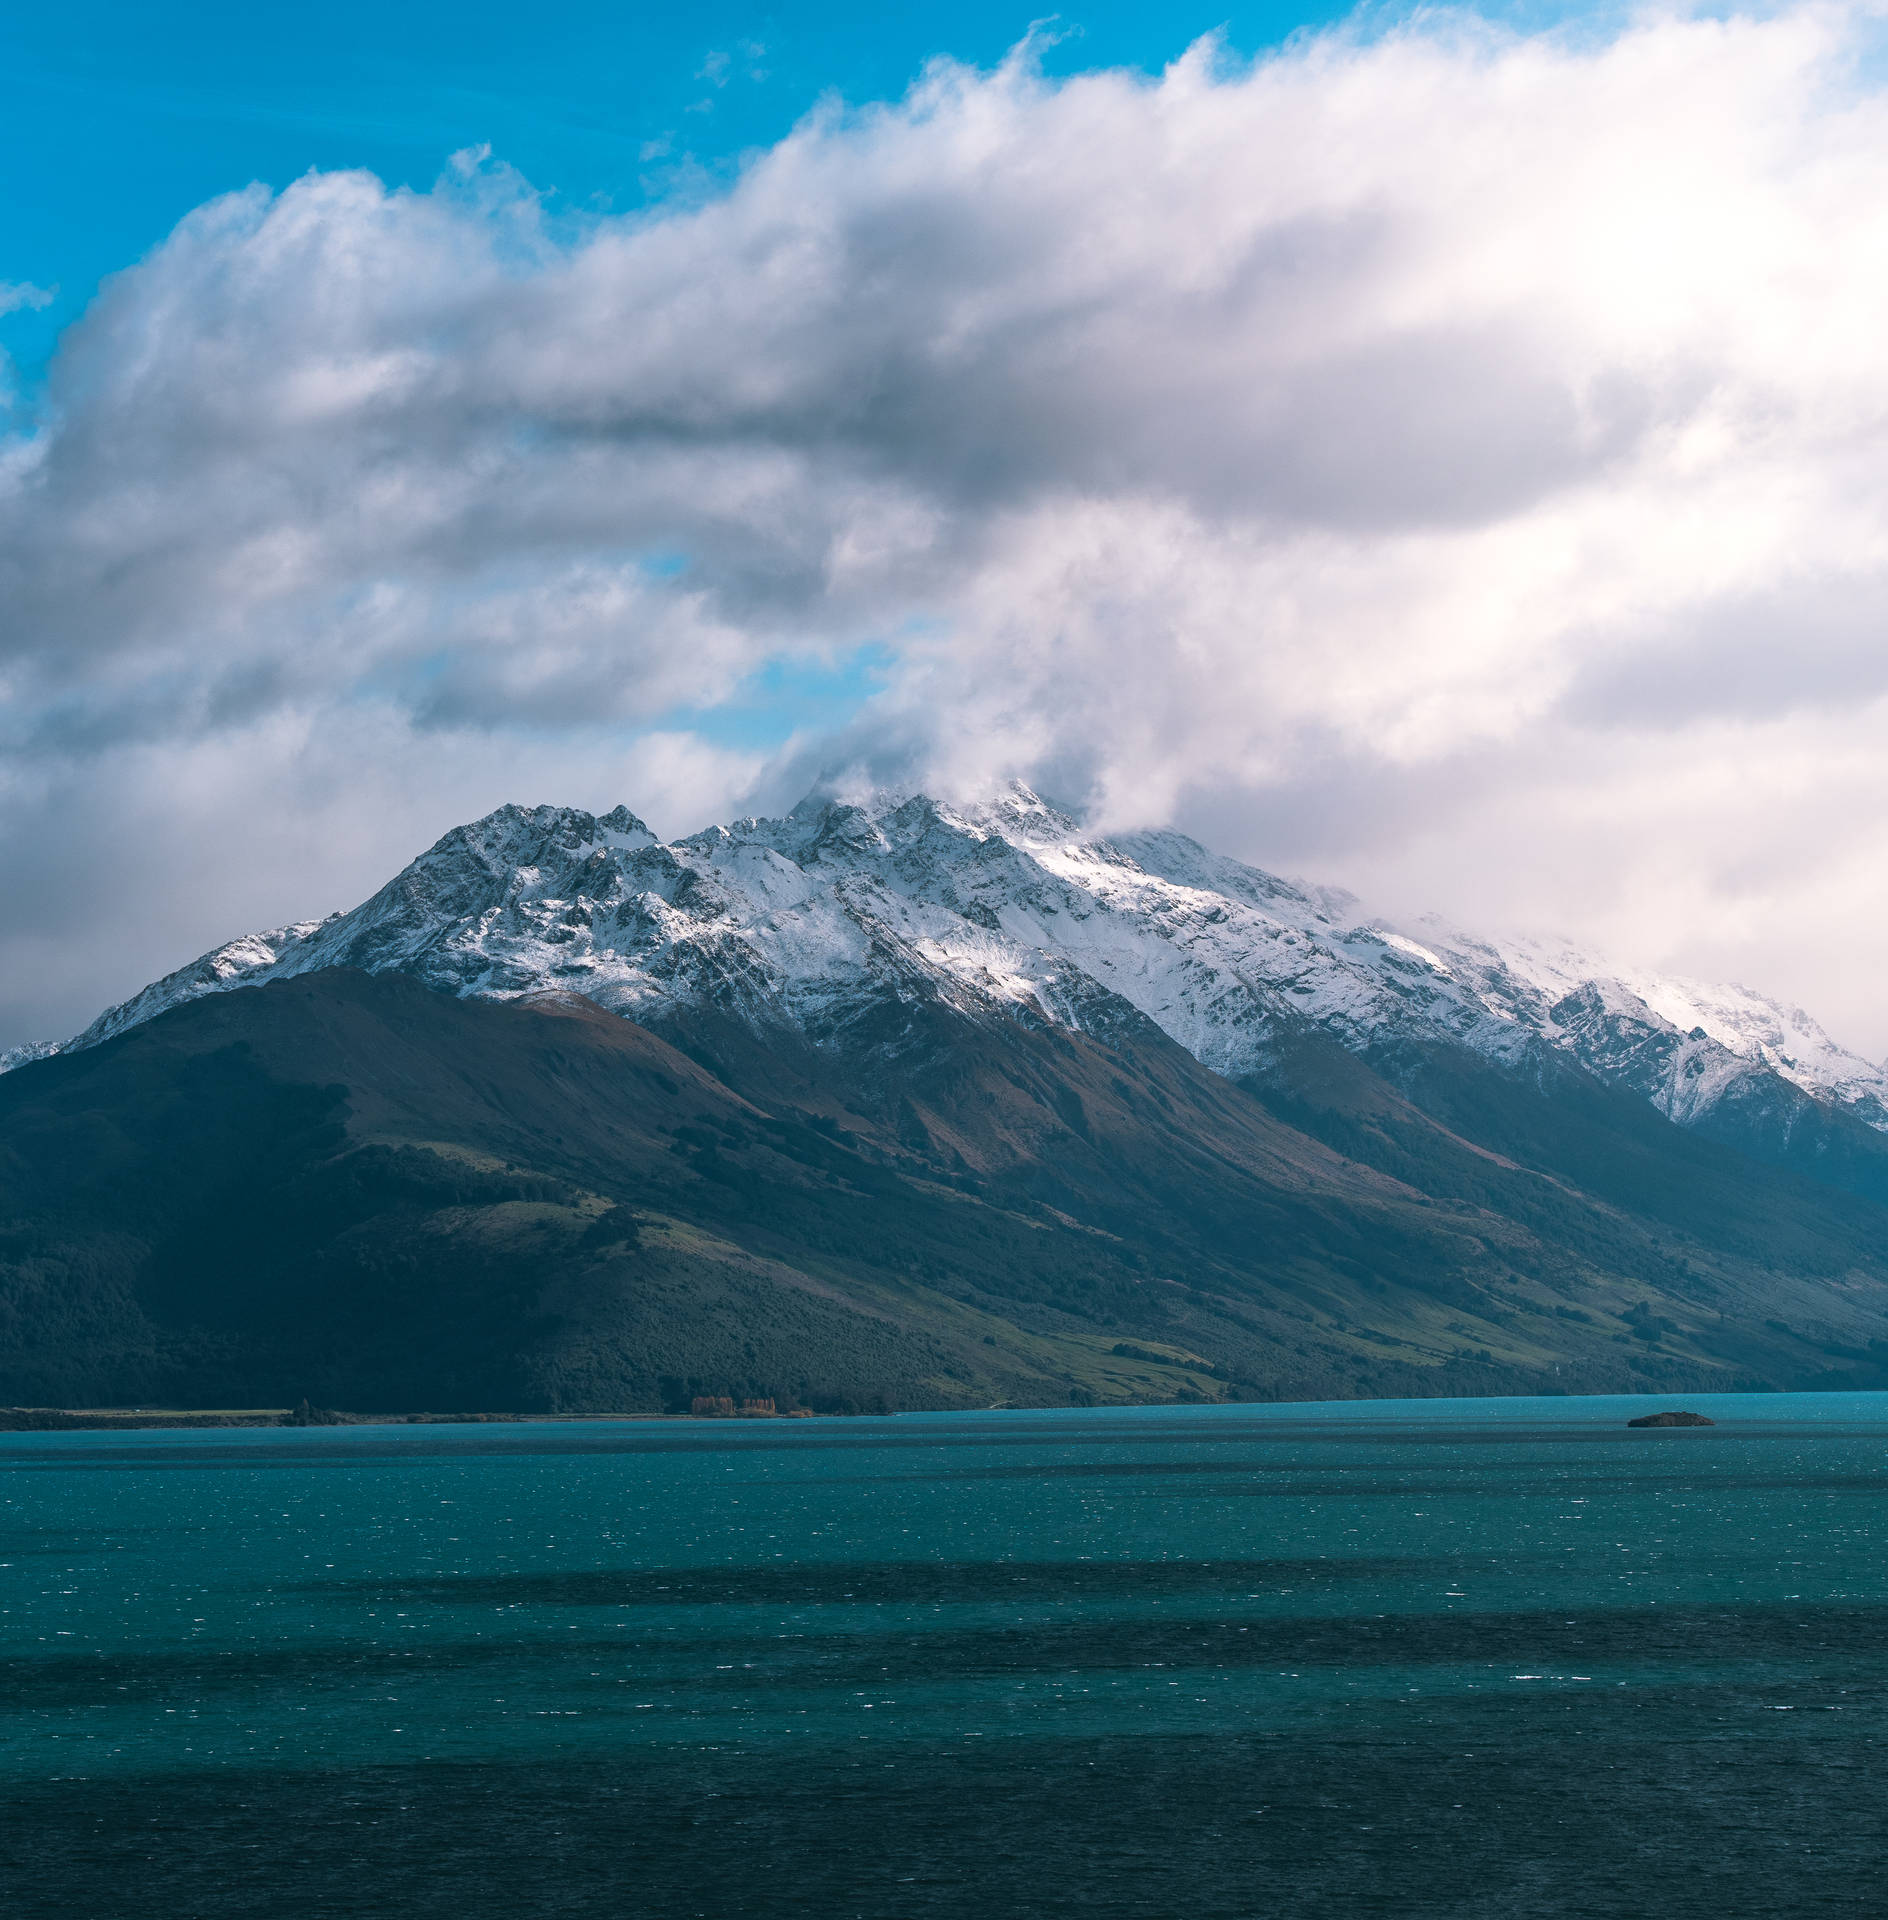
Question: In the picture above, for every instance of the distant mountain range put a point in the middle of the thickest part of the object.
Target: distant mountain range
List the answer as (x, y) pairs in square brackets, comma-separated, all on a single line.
[(914, 1104)]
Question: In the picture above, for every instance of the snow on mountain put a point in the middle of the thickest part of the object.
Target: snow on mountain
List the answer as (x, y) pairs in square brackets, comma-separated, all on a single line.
[(11, 1057), (1007, 908), (1680, 1042)]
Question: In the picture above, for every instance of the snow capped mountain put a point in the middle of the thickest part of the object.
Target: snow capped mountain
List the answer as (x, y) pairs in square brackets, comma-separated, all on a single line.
[(1007, 909)]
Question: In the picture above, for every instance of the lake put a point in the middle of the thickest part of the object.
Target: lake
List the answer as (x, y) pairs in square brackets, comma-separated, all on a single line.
[(1488, 1658)]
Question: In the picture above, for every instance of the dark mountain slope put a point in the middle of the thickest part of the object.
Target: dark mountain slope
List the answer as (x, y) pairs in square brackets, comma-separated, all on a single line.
[(379, 1196), (1513, 1202), (1541, 1147), (1755, 1109)]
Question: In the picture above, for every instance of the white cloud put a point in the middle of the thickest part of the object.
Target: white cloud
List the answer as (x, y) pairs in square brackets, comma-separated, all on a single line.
[(1452, 462)]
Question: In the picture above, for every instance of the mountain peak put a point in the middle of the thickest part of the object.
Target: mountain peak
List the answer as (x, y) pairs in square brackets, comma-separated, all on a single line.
[(512, 826), (1006, 908)]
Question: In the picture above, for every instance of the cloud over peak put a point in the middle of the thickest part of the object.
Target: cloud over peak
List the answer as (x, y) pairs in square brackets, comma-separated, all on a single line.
[(1435, 456)]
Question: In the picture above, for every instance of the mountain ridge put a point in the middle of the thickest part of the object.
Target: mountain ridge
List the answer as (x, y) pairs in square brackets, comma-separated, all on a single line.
[(1007, 905)]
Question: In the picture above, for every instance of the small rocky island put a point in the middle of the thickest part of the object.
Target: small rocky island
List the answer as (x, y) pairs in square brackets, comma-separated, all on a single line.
[(1671, 1420)]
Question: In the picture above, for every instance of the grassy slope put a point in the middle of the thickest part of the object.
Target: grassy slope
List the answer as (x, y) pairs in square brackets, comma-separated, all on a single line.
[(357, 1190)]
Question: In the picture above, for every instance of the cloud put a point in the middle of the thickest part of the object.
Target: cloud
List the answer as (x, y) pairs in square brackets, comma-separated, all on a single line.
[(18, 294), (1451, 459)]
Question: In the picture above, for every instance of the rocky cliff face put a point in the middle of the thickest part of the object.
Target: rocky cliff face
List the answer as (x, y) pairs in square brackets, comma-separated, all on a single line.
[(1007, 910)]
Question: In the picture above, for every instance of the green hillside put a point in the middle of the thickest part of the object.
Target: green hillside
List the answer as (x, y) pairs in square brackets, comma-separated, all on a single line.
[(359, 1191)]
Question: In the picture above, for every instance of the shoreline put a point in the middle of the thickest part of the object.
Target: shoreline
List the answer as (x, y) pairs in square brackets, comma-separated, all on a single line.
[(183, 1419)]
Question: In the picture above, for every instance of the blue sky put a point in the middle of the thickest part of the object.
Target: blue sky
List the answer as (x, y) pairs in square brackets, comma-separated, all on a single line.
[(119, 118)]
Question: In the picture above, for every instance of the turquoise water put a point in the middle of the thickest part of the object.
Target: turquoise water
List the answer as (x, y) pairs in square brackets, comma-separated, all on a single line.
[(1489, 1657)]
